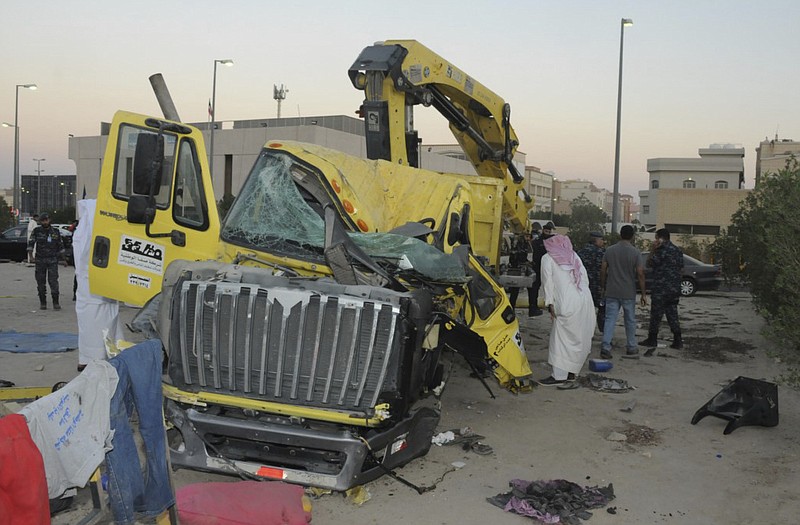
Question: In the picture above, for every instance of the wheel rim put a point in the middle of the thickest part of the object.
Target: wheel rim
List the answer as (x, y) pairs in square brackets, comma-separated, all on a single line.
[(687, 287)]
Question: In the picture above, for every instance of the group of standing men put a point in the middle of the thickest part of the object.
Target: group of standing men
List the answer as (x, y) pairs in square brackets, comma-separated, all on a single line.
[(606, 279)]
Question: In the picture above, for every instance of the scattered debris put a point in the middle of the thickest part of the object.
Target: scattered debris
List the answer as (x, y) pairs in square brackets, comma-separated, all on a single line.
[(616, 436), (629, 406), (358, 495), (642, 435), (465, 437), (458, 464), (38, 368), (604, 384), (554, 501)]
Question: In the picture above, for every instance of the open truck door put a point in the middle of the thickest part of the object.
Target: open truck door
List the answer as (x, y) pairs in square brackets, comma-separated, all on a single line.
[(155, 204)]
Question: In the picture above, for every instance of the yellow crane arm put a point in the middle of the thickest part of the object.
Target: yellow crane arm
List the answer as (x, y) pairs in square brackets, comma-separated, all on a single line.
[(396, 75)]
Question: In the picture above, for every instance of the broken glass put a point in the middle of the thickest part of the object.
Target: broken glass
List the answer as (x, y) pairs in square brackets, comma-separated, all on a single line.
[(273, 214)]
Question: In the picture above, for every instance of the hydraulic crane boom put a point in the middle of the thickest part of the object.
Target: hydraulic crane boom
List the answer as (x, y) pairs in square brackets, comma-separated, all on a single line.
[(396, 75)]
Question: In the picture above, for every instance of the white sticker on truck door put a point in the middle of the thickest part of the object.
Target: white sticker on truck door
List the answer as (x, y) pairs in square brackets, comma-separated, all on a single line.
[(141, 254)]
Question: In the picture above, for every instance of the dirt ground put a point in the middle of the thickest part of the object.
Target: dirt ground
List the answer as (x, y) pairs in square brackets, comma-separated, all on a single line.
[(667, 470)]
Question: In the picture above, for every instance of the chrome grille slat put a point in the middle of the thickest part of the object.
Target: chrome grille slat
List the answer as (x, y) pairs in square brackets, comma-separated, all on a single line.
[(298, 352), (262, 371), (334, 346), (315, 354), (247, 355), (281, 351), (231, 347), (387, 354), (187, 375), (215, 360), (370, 348), (197, 337), (350, 359)]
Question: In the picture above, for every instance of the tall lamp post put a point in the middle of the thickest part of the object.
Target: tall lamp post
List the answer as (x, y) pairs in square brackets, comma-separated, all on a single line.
[(17, 199), (225, 62), (615, 204), (39, 171)]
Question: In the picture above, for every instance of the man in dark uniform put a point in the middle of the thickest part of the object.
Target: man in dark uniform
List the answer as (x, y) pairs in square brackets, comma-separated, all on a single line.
[(592, 258), (518, 264), (538, 252), (49, 249), (666, 260)]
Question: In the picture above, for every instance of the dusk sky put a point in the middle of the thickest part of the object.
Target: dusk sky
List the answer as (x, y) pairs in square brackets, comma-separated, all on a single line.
[(695, 72)]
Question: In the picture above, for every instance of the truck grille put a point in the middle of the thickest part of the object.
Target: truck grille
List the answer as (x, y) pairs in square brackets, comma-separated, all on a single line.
[(286, 345)]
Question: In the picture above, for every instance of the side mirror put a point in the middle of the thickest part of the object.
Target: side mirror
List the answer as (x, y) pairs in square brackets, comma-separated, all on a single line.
[(147, 163), (141, 208)]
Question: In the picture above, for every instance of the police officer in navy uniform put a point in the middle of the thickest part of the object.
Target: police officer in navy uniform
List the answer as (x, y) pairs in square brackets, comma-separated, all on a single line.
[(592, 258), (666, 260), (49, 249)]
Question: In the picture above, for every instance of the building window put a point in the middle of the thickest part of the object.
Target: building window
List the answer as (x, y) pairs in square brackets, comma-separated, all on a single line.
[(646, 209), (705, 230), (654, 184), (721, 185), (688, 184)]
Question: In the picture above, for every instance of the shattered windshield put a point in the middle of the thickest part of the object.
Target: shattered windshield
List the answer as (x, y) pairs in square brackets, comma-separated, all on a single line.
[(273, 214)]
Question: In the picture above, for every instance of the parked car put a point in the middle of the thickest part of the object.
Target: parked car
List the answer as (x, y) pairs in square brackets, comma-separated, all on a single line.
[(14, 243), (696, 275)]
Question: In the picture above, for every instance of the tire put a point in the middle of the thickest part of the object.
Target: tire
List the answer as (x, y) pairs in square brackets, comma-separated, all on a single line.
[(688, 287)]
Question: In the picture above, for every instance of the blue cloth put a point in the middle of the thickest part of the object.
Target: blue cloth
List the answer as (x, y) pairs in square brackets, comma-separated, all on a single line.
[(13, 341), (628, 307), (130, 490)]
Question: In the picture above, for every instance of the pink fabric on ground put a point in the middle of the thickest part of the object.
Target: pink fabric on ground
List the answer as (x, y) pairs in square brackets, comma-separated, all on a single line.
[(242, 503)]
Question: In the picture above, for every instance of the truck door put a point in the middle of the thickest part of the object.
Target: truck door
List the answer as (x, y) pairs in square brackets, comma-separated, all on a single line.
[(155, 204)]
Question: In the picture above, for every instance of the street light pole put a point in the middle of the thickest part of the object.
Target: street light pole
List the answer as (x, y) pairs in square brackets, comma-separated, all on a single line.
[(225, 62), (615, 204), (38, 184), (17, 197)]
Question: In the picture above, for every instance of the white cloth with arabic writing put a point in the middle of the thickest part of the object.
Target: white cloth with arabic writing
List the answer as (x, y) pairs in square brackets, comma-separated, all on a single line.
[(71, 427)]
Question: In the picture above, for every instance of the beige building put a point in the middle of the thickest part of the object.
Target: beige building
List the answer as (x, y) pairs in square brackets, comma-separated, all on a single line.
[(238, 143), (694, 195), (772, 155), (539, 185)]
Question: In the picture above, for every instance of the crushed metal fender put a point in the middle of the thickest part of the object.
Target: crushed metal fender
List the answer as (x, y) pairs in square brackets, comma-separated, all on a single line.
[(745, 401)]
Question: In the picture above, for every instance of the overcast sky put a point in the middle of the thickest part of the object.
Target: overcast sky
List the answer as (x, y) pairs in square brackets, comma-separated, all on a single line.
[(695, 72)]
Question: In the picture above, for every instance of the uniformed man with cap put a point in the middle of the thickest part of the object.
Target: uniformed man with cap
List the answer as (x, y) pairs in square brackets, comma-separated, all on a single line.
[(592, 258), (49, 247)]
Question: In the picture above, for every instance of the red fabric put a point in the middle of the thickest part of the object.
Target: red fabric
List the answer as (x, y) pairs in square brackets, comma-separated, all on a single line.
[(242, 503), (23, 487)]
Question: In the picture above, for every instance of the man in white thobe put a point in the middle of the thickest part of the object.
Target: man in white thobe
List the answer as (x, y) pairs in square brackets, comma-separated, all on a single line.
[(95, 313), (569, 301)]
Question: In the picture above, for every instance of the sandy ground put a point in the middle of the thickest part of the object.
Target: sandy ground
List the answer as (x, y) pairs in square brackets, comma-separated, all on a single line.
[(681, 474)]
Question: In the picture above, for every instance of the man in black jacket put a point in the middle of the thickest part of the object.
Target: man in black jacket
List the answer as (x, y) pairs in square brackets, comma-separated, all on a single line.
[(49, 249), (538, 252)]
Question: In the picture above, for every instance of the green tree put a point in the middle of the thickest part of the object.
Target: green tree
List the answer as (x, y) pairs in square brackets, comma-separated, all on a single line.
[(586, 217), (765, 231), (725, 252), (6, 219)]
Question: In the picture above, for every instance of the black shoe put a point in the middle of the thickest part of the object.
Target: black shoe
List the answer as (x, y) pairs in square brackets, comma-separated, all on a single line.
[(650, 342), (605, 354), (535, 313), (56, 306), (43, 306), (550, 381), (631, 354), (570, 377), (677, 343)]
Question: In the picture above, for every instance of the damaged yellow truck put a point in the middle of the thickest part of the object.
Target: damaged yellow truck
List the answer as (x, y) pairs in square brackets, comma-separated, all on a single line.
[(302, 331)]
